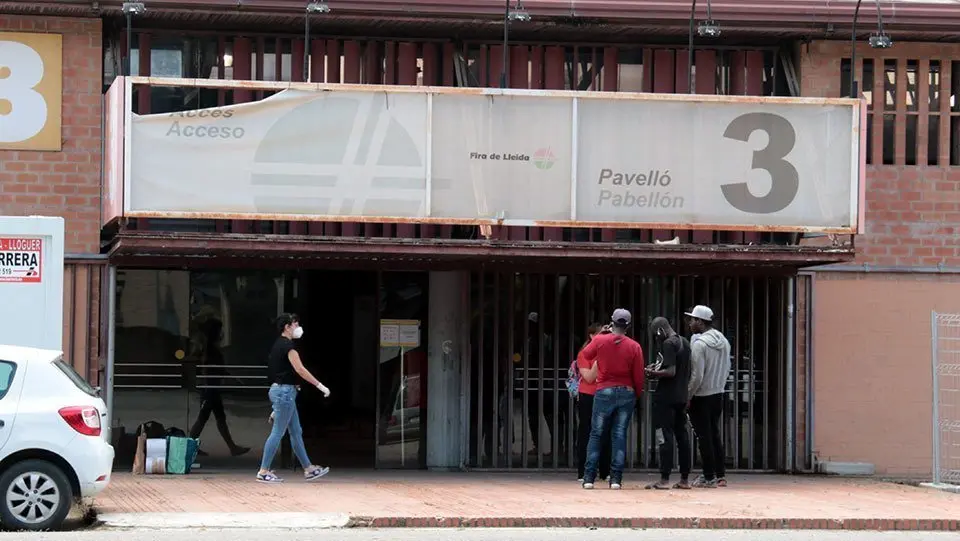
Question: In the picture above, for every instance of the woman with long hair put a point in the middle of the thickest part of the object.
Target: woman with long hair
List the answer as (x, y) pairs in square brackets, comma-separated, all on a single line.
[(585, 393)]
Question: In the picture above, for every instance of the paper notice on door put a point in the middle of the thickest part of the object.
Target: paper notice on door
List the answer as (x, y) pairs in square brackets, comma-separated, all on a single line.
[(389, 334), (403, 333), (410, 334)]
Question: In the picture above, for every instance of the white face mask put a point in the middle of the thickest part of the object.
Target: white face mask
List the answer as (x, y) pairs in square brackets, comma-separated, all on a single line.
[(297, 333)]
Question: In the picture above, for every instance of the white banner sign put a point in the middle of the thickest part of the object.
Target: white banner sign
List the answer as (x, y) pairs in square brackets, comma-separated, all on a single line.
[(523, 158)]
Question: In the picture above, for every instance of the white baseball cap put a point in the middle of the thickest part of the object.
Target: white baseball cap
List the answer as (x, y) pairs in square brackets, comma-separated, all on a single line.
[(700, 312)]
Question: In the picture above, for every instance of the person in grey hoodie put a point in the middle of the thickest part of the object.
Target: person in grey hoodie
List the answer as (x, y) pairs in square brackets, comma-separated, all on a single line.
[(709, 368)]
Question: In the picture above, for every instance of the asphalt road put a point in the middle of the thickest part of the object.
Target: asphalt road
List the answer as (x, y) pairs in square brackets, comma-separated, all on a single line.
[(486, 534)]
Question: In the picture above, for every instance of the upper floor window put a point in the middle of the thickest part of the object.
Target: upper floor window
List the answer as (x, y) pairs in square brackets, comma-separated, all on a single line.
[(913, 110)]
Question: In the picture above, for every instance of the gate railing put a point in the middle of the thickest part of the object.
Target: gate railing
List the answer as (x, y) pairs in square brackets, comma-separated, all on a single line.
[(946, 398)]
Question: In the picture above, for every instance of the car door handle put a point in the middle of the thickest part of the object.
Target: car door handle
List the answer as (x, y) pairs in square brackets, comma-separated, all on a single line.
[(2, 424)]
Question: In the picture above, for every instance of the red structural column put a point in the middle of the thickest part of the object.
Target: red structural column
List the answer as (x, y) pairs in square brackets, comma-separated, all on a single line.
[(518, 68), (407, 76), (609, 82), (351, 75), (334, 67), (449, 79), (243, 71), (705, 83), (431, 77), (317, 48), (548, 65), (143, 92), (755, 71)]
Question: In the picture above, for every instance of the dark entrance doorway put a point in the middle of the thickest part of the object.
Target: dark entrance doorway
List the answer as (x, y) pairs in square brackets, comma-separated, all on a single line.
[(338, 311), (162, 374)]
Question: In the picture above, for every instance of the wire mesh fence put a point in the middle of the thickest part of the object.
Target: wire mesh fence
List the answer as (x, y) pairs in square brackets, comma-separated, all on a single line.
[(946, 398)]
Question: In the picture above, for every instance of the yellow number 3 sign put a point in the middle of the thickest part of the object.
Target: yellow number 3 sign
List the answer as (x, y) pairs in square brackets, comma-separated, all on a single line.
[(31, 87)]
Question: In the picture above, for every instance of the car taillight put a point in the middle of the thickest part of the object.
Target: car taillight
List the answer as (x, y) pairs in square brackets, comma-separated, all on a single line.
[(83, 419)]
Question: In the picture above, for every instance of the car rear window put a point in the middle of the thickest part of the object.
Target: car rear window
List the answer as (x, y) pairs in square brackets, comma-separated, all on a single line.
[(7, 370), (75, 378)]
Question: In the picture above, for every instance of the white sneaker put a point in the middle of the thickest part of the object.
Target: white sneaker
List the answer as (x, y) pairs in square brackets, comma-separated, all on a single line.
[(588, 486), (580, 480), (615, 486)]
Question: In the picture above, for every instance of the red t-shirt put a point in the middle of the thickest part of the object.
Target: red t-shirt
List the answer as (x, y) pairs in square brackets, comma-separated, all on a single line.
[(585, 386), (619, 359)]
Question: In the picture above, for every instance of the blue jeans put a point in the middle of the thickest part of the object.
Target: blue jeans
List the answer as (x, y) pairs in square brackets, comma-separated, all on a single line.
[(613, 408), (285, 418)]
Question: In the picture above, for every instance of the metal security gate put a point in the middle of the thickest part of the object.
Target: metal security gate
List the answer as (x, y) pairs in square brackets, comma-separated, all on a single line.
[(946, 398), (527, 328)]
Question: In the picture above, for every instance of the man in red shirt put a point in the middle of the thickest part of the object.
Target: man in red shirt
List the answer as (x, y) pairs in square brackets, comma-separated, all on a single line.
[(618, 370)]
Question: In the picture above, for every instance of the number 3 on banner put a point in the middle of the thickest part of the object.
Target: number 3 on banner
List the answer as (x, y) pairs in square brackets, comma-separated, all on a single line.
[(784, 179), (23, 111)]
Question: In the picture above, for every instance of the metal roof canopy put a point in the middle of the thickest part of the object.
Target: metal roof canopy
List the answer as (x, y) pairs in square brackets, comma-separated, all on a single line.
[(932, 19), (167, 249)]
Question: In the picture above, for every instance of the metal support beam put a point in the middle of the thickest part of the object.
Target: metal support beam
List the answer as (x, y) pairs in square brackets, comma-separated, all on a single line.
[(111, 344)]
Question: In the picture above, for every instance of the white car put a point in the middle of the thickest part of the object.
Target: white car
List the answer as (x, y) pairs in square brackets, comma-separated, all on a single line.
[(53, 450)]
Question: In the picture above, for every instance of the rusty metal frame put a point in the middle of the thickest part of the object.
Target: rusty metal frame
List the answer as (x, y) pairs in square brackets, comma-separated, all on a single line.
[(574, 96), (131, 246), (480, 91)]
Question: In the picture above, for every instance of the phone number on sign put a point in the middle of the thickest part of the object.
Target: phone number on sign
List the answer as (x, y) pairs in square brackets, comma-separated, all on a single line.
[(20, 245)]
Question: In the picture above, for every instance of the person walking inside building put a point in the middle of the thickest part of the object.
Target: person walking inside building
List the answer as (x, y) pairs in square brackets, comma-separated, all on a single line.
[(212, 362), (618, 370), (672, 372), (710, 366), (284, 366), (541, 386), (585, 396)]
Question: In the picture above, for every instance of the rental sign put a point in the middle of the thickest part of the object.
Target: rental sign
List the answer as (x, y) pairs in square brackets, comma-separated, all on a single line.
[(21, 259), (511, 157), (31, 281)]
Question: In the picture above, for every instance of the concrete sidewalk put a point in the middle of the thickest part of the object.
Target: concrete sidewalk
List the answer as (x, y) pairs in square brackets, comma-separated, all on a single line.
[(428, 499)]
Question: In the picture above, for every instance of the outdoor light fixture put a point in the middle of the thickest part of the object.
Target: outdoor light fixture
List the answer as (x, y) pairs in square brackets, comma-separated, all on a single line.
[(318, 6), (133, 8), (314, 6), (516, 14), (707, 29), (879, 40), (129, 10)]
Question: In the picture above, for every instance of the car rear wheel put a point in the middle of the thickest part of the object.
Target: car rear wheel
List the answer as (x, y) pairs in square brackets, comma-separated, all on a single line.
[(34, 495)]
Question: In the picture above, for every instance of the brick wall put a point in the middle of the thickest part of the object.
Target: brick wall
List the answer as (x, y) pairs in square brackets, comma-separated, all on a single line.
[(65, 183), (871, 349), (913, 211)]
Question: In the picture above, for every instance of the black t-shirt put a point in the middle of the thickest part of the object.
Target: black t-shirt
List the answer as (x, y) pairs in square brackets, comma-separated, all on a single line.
[(675, 351), (213, 359), (279, 369)]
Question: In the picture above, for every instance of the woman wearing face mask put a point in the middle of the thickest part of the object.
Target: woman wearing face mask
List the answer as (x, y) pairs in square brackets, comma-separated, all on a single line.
[(585, 393), (283, 366)]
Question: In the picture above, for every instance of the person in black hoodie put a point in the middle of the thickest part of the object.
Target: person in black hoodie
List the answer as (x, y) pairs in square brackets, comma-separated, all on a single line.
[(671, 369)]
